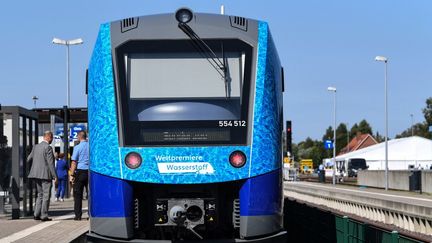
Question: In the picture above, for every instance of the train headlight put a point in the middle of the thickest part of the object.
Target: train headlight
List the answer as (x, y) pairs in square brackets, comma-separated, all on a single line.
[(184, 15), (237, 159), (133, 160)]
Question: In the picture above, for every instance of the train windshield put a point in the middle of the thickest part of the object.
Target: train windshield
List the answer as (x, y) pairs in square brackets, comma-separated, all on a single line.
[(183, 86), (172, 94)]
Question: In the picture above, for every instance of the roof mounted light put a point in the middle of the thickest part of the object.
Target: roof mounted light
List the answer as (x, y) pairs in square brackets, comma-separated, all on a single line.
[(184, 15)]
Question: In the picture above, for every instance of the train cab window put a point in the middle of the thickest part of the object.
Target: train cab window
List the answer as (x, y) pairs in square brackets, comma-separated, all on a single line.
[(171, 94), (183, 87)]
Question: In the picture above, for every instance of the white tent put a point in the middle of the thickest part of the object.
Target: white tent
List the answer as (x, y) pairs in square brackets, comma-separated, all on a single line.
[(403, 152)]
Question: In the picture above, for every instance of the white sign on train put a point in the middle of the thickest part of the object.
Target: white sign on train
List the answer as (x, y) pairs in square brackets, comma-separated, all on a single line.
[(185, 167)]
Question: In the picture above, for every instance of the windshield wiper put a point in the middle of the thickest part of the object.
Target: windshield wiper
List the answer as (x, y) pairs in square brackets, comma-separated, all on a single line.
[(221, 66)]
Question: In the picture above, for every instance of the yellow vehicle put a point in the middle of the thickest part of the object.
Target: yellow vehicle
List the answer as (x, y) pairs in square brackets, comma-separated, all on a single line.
[(306, 166)]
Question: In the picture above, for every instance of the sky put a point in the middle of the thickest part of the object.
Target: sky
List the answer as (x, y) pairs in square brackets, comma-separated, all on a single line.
[(320, 44)]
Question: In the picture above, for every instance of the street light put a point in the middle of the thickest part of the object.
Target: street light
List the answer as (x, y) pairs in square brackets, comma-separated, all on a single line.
[(35, 98), (385, 60), (333, 89), (67, 43)]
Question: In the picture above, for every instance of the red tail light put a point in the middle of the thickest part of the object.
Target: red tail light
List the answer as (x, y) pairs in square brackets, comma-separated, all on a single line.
[(237, 159), (133, 160)]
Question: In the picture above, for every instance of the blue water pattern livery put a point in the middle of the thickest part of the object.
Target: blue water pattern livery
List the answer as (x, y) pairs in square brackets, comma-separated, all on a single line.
[(108, 159), (262, 193), (216, 157), (266, 149), (102, 113)]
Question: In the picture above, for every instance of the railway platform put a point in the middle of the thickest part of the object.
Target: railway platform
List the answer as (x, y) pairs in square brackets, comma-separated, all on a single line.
[(409, 213), (62, 228)]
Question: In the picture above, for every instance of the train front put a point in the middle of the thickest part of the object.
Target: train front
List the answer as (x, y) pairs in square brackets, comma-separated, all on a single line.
[(185, 124)]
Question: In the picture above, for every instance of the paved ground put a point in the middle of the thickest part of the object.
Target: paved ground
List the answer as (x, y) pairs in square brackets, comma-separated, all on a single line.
[(62, 229), (8, 227)]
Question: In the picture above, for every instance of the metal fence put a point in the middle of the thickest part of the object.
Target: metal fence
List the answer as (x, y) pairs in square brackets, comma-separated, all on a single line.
[(18, 134), (352, 231)]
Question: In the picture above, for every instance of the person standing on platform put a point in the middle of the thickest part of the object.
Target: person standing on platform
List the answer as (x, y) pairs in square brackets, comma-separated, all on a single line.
[(321, 173), (79, 172), (42, 172), (62, 170)]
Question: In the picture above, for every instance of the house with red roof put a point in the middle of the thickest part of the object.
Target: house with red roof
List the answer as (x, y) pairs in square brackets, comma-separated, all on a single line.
[(358, 142)]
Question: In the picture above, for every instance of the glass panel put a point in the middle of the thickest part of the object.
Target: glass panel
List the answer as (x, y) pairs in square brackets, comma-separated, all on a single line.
[(6, 152), (21, 144), (43, 127), (28, 129), (29, 144), (187, 88), (182, 75), (34, 132)]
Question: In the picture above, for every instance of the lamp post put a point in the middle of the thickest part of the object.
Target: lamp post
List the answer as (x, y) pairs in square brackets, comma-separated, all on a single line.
[(385, 60), (333, 89), (35, 98), (67, 43)]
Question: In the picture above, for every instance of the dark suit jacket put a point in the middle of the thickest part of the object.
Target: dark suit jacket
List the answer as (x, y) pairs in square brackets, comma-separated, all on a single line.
[(43, 162)]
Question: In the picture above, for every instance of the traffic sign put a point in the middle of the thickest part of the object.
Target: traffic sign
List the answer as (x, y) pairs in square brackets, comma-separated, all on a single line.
[(328, 144)]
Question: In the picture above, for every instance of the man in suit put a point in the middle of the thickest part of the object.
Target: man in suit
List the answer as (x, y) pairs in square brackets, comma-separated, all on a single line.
[(42, 172)]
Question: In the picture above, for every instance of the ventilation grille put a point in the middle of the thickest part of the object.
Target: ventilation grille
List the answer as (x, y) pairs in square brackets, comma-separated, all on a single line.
[(239, 22), (136, 213), (236, 213), (129, 24)]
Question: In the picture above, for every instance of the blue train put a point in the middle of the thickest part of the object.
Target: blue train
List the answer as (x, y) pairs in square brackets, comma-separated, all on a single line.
[(185, 125)]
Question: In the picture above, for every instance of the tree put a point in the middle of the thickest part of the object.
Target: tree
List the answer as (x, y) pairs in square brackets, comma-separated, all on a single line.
[(364, 127), (308, 143), (418, 129), (427, 111), (295, 151), (422, 128), (354, 130), (341, 137), (328, 134), (311, 149), (318, 153), (378, 137)]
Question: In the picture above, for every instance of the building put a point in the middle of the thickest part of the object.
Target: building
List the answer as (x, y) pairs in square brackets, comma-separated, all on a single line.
[(358, 142)]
